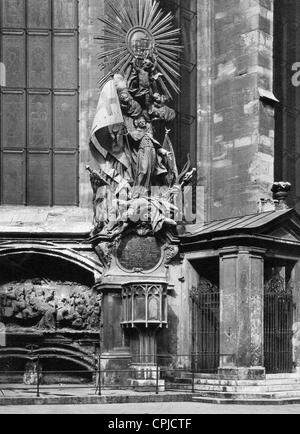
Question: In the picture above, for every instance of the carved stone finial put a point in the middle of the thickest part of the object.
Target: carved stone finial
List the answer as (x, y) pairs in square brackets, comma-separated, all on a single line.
[(280, 192)]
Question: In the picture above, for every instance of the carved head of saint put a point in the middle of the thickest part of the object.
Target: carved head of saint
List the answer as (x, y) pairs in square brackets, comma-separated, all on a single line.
[(141, 123), (125, 97)]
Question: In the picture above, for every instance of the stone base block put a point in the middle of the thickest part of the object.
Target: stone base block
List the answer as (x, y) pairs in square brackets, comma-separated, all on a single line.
[(115, 366), (145, 377), (147, 385), (144, 371), (256, 373)]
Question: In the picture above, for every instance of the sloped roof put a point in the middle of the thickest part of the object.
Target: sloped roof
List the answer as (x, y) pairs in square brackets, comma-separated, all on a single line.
[(255, 224)]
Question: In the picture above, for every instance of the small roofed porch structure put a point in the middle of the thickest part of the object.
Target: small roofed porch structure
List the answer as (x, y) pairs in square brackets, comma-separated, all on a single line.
[(255, 263)]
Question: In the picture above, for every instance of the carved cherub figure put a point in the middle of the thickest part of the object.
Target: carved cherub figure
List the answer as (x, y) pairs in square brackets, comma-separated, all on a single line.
[(129, 106), (159, 111), (159, 100)]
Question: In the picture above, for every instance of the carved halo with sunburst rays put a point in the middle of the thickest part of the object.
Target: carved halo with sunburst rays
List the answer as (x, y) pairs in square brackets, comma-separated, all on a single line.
[(139, 28)]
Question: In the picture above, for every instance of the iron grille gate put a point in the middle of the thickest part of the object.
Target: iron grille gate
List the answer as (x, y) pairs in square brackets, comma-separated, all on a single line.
[(205, 327), (278, 323)]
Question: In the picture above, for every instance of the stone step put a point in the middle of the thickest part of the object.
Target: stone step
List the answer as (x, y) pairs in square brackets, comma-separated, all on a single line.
[(270, 380), (245, 383), (294, 382), (290, 377), (247, 401), (229, 382), (247, 389), (262, 388), (294, 376), (179, 386), (249, 395)]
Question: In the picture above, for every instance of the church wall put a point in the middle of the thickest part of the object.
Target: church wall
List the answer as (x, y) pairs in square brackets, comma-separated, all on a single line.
[(235, 142), (235, 132), (240, 126), (235, 139), (287, 87), (90, 27)]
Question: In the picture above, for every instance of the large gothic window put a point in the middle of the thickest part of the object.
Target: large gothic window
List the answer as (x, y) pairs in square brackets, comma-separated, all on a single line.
[(39, 104)]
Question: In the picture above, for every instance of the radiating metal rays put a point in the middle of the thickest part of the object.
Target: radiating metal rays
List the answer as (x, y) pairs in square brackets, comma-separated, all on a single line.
[(120, 19)]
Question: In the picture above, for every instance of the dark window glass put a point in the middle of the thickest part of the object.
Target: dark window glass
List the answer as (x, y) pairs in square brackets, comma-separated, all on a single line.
[(39, 105)]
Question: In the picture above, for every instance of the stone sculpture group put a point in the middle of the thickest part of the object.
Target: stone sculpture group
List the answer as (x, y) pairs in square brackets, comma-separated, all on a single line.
[(150, 181), (50, 305)]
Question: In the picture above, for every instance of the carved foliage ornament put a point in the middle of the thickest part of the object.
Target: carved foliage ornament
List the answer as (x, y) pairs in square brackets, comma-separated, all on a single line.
[(204, 287), (170, 253), (277, 285)]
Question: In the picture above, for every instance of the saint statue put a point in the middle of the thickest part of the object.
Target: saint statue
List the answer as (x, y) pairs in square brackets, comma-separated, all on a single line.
[(127, 142)]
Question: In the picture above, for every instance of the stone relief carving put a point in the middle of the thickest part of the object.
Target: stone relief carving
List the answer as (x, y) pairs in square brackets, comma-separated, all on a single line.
[(256, 355), (45, 305)]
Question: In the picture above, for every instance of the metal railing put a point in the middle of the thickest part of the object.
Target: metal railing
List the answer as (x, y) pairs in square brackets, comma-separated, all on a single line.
[(177, 371)]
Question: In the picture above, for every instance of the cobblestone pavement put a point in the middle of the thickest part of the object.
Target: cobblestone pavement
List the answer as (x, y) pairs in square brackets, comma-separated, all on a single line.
[(159, 408)]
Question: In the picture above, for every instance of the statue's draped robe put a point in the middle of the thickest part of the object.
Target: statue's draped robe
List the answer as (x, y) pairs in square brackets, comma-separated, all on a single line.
[(128, 160)]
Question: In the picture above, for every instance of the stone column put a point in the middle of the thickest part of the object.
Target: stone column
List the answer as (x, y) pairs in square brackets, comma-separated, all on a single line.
[(112, 313), (115, 354), (241, 305), (145, 373)]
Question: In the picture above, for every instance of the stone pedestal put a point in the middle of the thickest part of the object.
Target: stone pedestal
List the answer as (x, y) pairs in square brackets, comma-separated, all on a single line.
[(135, 306), (146, 378), (241, 306), (145, 374), (115, 366)]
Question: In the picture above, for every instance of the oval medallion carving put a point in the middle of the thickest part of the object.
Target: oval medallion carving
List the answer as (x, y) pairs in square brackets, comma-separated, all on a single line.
[(139, 253)]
